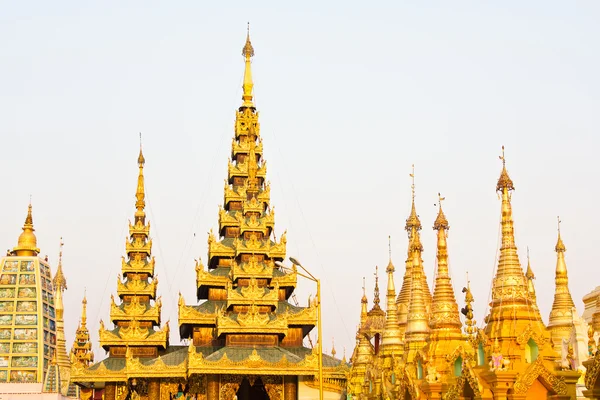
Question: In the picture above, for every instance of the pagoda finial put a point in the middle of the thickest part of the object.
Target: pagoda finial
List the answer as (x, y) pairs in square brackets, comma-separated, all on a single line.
[(59, 282), (84, 309), (140, 193), (413, 223), (333, 352), (440, 222), (560, 246), (376, 300), (390, 268), (363, 303), (27, 243), (504, 182), (247, 86), (529, 274)]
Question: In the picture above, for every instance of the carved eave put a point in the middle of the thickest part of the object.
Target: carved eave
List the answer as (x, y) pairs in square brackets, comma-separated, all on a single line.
[(218, 249), (290, 279), (158, 369), (191, 316), (233, 194), (253, 205), (136, 246), (254, 364), (243, 147), (135, 310), (81, 374), (139, 229), (277, 250), (137, 265), (306, 317), (134, 336), (242, 170), (228, 219), (137, 287), (249, 295), (248, 323), (251, 269), (254, 224), (205, 278)]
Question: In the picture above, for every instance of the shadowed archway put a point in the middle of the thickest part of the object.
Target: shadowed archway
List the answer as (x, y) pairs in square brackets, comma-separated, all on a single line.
[(252, 390)]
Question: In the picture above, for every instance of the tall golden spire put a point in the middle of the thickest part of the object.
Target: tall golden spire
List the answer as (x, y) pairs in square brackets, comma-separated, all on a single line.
[(561, 315), (417, 320), (60, 284), (140, 193), (27, 244), (413, 226), (391, 342), (248, 85), (444, 320), (444, 309), (513, 310)]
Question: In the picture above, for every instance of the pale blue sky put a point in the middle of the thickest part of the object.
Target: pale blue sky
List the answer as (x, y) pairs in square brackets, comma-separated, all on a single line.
[(350, 94)]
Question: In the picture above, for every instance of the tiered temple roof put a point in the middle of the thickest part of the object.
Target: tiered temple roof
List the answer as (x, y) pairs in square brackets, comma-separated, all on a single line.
[(138, 311), (243, 289)]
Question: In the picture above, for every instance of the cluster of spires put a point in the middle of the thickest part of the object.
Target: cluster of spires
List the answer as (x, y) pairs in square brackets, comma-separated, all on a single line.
[(418, 322)]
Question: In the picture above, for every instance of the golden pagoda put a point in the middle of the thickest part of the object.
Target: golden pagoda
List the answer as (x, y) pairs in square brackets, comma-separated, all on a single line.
[(28, 317), (244, 339)]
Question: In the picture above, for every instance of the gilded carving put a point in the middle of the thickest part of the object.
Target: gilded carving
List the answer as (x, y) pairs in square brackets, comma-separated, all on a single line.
[(592, 372), (528, 333), (229, 386), (274, 386), (538, 370)]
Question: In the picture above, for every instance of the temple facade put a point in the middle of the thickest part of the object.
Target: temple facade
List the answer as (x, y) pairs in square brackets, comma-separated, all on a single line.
[(420, 347)]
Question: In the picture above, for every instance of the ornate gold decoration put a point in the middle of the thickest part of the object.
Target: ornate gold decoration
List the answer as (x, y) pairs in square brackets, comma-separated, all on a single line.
[(137, 286), (137, 265), (197, 364), (218, 249), (135, 309), (252, 294), (538, 370), (593, 371), (133, 332)]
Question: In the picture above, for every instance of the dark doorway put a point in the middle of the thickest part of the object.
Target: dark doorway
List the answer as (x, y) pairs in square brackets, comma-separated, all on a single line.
[(256, 391)]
